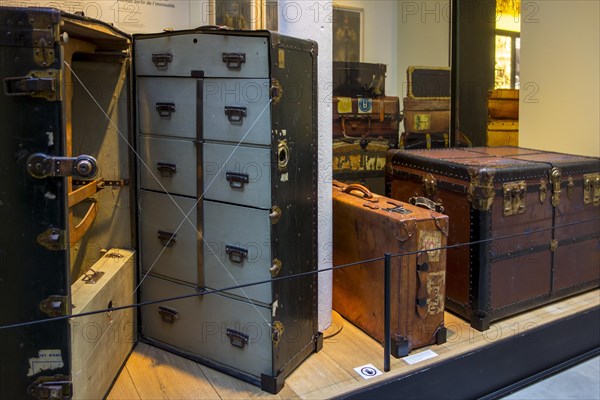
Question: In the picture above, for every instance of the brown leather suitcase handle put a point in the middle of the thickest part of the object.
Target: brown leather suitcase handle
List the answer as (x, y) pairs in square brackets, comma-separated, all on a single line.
[(355, 186)]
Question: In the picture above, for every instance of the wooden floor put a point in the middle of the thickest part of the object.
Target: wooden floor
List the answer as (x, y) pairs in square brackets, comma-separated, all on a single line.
[(151, 373)]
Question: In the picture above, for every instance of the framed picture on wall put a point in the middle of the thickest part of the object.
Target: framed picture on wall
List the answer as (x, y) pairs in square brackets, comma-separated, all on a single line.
[(347, 33)]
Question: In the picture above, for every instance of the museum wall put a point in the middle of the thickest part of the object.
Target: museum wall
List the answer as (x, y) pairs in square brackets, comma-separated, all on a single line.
[(560, 89), (423, 36)]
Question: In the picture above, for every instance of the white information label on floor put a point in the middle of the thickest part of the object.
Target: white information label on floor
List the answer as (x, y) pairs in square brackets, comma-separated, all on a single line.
[(555, 310), (422, 356), (368, 371)]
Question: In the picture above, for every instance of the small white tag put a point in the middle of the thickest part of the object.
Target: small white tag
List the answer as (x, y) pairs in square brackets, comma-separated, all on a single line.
[(368, 371), (555, 310), (422, 356)]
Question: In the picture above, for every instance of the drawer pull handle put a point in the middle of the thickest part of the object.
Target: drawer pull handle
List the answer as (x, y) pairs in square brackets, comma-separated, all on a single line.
[(237, 180), (235, 115), (166, 170), (167, 239), (168, 315), (162, 60), (234, 60), (165, 109), (236, 254), (237, 339)]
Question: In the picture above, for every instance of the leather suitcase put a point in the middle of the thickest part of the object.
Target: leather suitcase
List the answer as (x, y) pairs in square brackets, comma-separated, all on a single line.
[(532, 214), (358, 79), (366, 117), (367, 226), (502, 133), (426, 115), (428, 82), (503, 104)]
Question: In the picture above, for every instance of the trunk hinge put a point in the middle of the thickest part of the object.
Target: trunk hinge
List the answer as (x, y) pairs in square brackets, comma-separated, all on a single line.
[(591, 189), (543, 190), (276, 91), (570, 187), (56, 306), (481, 189), (44, 84), (275, 268), (555, 178), (514, 198), (57, 387), (277, 333), (429, 185), (553, 245), (53, 239)]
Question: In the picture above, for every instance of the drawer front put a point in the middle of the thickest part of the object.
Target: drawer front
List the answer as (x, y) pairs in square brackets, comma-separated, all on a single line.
[(237, 110), (237, 249), (160, 217), (168, 106), (218, 56), (199, 325), (169, 165), (237, 174)]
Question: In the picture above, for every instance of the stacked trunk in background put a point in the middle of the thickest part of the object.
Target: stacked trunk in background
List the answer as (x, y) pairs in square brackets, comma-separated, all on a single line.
[(503, 117), (365, 123), (427, 108), (532, 215)]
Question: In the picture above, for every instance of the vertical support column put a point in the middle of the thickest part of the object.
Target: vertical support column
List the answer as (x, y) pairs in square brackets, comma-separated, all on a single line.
[(311, 20)]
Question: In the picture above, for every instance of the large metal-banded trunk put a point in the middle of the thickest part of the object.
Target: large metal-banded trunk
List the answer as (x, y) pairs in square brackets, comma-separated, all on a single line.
[(65, 204), (366, 226), (227, 130), (529, 220)]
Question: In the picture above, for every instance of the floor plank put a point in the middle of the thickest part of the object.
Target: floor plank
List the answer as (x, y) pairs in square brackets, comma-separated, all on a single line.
[(229, 388), (317, 375), (158, 374), (124, 388), (330, 373)]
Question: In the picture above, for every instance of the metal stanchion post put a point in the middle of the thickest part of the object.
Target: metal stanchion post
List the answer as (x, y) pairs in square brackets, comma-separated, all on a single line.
[(387, 345)]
